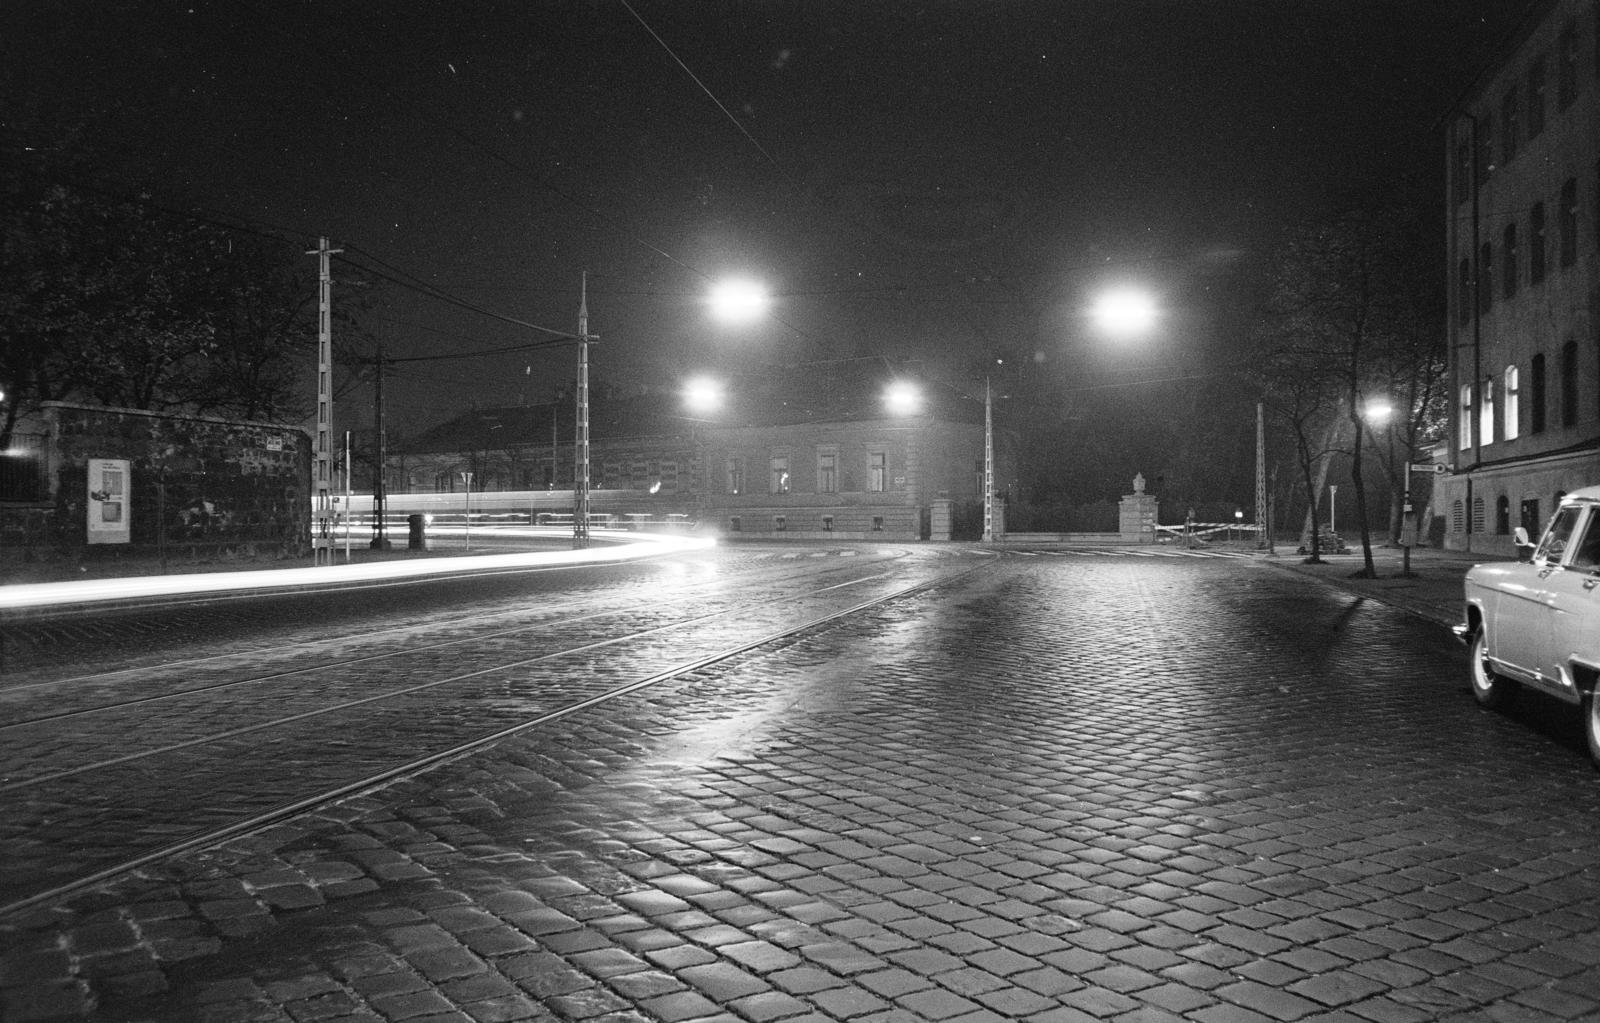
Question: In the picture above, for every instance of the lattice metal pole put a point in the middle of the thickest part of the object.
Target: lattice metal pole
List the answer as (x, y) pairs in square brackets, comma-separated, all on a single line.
[(988, 463), (580, 482), (322, 454)]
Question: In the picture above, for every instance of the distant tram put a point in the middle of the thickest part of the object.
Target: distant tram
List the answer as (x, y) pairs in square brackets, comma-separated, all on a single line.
[(608, 509)]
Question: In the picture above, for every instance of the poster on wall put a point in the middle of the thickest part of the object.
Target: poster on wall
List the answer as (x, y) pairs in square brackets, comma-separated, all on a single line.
[(108, 500)]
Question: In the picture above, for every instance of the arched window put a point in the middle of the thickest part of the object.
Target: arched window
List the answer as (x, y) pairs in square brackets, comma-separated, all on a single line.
[(1477, 515), (1456, 519)]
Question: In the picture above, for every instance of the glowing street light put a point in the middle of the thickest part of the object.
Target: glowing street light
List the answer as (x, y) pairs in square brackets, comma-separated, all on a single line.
[(1125, 311), (739, 301), (902, 398), (703, 395)]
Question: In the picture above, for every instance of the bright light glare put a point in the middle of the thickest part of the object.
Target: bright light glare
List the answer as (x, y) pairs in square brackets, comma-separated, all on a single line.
[(703, 395), (1379, 411), (902, 398), (1125, 311), (739, 300), (628, 546)]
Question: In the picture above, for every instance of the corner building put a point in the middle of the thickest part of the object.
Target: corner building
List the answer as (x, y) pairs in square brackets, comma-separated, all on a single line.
[(1523, 214)]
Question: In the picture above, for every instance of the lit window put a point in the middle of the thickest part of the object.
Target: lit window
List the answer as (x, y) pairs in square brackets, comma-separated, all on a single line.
[(877, 472), (735, 475), (780, 474), (1512, 403), (1486, 413), (1465, 421)]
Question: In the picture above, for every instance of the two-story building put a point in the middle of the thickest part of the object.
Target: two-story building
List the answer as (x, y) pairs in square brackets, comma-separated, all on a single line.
[(812, 451), (1524, 261)]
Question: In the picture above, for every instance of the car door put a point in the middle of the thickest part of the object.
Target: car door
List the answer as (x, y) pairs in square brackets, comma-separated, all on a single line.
[(1572, 601), (1520, 631)]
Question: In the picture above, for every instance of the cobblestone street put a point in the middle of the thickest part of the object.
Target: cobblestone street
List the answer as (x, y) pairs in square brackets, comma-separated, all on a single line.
[(1063, 789)]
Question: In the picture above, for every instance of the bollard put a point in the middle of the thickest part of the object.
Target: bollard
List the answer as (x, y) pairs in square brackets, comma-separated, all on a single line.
[(419, 532)]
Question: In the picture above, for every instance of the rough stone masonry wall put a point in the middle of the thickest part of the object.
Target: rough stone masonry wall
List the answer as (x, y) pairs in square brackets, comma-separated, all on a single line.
[(201, 488)]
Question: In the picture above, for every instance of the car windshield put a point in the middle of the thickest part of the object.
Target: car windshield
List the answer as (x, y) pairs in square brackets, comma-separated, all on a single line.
[(1557, 536)]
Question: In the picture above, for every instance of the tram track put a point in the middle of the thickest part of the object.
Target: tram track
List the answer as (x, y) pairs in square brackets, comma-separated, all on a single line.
[(209, 787)]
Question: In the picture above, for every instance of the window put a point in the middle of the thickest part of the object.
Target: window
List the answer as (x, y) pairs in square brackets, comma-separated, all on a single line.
[(1502, 515), (827, 472), (1464, 301), (1586, 553), (1463, 175), (877, 472), (780, 474), (1508, 125), (1485, 155), (1535, 98), (827, 523), (735, 475), (1536, 244), (780, 523), (1464, 423), (1567, 66), (1508, 259), (1477, 515), (1512, 404), (1486, 413), (1457, 516), (1569, 384), (1537, 397), (1485, 281), (735, 524), (1555, 539), (1568, 229), (877, 523)]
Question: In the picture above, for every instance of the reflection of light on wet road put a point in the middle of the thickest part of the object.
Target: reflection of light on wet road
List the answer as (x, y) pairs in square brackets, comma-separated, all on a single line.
[(626, 546)]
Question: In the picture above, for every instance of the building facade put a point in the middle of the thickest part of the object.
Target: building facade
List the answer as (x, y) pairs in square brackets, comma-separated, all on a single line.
[(808, 453), (1523, 209)]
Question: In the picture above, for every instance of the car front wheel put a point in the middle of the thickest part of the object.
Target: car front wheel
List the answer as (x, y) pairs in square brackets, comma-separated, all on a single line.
[(1490, 690), (1591, 726)]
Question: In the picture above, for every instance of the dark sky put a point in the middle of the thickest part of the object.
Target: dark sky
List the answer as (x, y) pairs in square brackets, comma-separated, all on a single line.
[(949, 180)]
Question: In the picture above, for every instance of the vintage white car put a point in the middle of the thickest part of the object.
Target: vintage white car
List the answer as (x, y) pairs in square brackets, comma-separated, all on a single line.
[(1535, 622)]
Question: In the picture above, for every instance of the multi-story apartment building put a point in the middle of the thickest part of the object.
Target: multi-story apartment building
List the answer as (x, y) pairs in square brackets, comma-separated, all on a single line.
[(1523, 210)]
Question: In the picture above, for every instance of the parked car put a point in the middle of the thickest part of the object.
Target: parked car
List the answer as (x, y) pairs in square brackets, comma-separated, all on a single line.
[(1535, 622)]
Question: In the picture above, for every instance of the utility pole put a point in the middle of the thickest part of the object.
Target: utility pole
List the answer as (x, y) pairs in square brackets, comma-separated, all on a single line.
[(380, 488), (322, 454), (580, 482), (988, 463), (1263, 513)]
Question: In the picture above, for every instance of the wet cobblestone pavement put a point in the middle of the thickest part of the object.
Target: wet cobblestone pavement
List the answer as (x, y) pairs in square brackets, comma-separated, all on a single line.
[(1068, 789)]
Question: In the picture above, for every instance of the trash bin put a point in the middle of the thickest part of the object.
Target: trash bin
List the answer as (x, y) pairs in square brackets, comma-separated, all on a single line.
[(419, 532)]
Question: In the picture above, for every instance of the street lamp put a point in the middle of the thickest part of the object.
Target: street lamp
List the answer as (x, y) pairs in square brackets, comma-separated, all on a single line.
[(902, 398), (1124, 312), (739, 300)]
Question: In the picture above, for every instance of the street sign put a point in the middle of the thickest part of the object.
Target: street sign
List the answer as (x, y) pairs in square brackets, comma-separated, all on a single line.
[(1436, 468)]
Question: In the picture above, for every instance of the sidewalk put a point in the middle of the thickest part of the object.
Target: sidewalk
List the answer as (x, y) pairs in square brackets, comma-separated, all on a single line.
[(1433, 590)]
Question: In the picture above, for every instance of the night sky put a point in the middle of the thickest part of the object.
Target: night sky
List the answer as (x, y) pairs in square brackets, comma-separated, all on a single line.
[(948, 181)]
